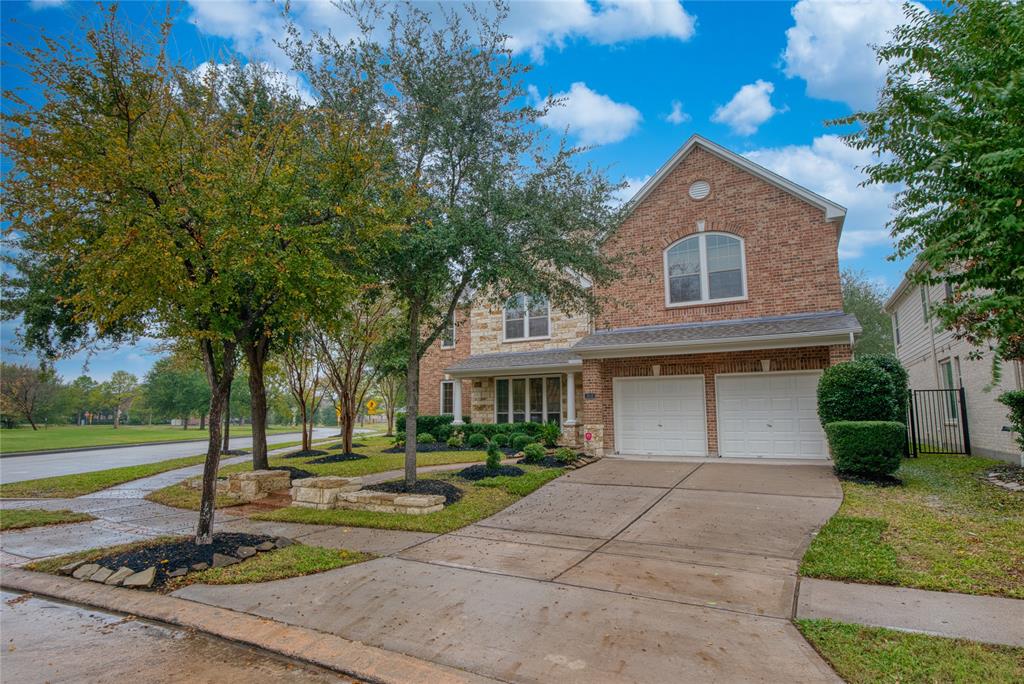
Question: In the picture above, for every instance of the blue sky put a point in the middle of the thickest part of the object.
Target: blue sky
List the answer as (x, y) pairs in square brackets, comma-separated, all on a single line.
[(638, 77)]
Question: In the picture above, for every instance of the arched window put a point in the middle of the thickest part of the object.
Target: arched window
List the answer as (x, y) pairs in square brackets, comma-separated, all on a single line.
[(526, 317), (706, 267)]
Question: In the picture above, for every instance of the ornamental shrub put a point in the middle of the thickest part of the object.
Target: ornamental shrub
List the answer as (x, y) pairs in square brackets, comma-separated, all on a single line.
[(533, 453), (456, 440), (493, 457), (856, 390), (1015, 400), (519, 441), (871, 448), (898, 374), (500, 440), (565, 455), (549, 434), (443, 432), (425, 438), (476, 440)]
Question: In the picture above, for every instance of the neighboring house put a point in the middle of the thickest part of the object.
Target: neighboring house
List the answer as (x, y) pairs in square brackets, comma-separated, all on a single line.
[(710, 344), (936, 359)]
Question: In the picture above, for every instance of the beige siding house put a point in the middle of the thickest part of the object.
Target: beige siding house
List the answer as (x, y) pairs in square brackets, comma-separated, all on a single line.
[(935, 359)]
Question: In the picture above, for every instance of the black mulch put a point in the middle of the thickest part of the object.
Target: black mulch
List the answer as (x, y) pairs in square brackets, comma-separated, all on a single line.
[(180, 554), (296, 473), (479, 472), (355, 445), (338, 458), (427, 447), (450, 492), (547, 462), (306, 454), (233, 452), (883, 481)]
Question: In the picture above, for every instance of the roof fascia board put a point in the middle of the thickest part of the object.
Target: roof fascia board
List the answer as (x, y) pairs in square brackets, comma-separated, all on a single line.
[(722, 344), (833, 211), (517, 370)]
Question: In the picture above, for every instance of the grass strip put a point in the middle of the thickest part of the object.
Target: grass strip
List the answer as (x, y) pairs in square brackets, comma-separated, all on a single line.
[(24, 518)]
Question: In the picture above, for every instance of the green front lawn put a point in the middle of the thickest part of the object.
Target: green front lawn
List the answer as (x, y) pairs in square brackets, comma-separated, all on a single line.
[(376, 461), (22, 518), (78, 436), (480, 499), (871, 654), (944, 530)]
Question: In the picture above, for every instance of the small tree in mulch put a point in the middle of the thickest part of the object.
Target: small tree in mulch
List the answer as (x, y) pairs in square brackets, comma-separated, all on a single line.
[(493, 457)]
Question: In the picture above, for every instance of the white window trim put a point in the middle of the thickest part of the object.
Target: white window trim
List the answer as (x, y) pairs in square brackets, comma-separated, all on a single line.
[(700, 237), (527, 378), (526, 321), (897, 338), (454, 340), (440, 403)]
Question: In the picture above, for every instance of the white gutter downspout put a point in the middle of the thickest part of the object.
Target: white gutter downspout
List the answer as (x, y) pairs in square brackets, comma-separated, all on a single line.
[(852, 357)]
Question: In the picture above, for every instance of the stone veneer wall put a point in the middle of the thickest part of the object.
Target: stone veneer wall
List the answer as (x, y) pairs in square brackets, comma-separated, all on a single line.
[(489, 331), (482, 410), (598, 413)]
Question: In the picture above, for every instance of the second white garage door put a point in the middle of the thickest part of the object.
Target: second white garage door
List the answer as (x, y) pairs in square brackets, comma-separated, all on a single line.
[(769, 415), (660, 416)]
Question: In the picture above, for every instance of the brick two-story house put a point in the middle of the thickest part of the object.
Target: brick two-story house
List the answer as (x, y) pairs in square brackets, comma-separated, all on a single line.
[(710, 344)]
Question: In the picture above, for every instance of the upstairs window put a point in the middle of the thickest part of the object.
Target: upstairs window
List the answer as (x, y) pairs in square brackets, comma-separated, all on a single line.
[(527, 317), (707, 267), (448, 335)]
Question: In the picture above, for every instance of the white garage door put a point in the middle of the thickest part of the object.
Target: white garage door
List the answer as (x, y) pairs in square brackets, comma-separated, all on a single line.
[(769, 415), (660, 416)]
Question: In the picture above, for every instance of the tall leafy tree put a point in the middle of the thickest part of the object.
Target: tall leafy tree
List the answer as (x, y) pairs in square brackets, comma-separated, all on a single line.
[(122, 389), (864, 298), (949, 126), (26, 392), (207, 208), (500, 209), (173, 389)]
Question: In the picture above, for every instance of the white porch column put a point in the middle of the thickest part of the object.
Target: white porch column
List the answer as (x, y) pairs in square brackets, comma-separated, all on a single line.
[(570, 398), (457, 401)]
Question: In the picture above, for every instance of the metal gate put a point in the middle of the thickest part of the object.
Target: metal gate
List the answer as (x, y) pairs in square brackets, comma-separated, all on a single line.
[(938, 422)]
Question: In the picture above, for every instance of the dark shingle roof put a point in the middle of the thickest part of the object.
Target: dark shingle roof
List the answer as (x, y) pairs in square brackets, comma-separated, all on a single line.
[(512, 360), (682, 333)]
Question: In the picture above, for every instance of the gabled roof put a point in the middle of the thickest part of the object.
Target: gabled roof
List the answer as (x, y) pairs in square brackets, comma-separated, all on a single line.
[(833, 211), (516, 362)]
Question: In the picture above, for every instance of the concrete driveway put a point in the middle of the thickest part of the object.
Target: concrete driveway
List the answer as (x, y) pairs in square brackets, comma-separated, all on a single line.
[(623, 571)]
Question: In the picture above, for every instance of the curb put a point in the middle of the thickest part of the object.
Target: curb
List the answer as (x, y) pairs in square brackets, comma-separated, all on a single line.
[(351, 658)]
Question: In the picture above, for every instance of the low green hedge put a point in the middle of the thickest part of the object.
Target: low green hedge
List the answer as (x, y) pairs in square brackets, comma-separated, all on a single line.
[(856, 390), (871, 448), (476, 441), (519, 441)]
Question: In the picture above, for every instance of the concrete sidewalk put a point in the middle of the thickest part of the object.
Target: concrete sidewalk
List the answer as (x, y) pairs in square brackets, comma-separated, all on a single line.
[(988, 619)]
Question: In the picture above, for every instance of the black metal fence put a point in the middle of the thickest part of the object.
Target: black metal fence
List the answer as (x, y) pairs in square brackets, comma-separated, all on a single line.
[(938, 422)]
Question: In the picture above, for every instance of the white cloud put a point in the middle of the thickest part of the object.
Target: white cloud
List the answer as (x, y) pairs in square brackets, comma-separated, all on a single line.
[(750, 107), (829, 47), (832, 169), (677, 115), (595, 119), (631, 187), (534, 26), (43, 4)]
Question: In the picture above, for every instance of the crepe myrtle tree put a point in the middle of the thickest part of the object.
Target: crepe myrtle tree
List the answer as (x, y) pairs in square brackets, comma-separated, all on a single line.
[(502, 208), (201, 208), (948, 128)]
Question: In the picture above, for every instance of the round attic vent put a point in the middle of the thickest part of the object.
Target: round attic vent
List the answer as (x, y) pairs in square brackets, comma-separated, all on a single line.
[(700, 189)]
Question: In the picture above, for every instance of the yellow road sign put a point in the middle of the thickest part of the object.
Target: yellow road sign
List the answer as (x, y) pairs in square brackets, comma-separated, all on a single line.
[(371, 405)]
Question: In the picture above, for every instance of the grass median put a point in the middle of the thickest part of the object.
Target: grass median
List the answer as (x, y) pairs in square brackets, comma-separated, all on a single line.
[(944, 529), (82, 436), (865, 655), (24, 518)]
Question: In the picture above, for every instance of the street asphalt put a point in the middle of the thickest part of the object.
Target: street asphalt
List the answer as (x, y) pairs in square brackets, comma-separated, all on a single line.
[(18, 468)]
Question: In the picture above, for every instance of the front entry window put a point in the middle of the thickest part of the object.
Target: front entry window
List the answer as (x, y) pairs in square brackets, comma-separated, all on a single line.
[(537, 399)]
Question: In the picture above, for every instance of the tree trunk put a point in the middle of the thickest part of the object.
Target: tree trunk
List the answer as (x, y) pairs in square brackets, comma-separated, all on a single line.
[(184, 422), (32, 422), (348, 414), (412, 395), (226, 445), (117, 417), (305, 439), (256, 354), (389, 415), (202, 421), (219, 380)]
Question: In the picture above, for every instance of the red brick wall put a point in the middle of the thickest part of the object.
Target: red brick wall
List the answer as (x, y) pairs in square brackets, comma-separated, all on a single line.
[(791, 251), (434, 362), (599, 412)]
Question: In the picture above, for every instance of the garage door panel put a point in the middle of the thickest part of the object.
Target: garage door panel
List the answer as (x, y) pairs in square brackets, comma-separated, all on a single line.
[(662, 416), (771, 415)]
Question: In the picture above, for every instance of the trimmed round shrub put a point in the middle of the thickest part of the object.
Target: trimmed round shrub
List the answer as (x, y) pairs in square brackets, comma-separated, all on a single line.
[(425, 438), (500, 439), (532, 453), (443, 432), (476, 441), (456, 440), (520, 441), (869, 448), (855, 390), (898, 374), (565, 455), (493, 457)]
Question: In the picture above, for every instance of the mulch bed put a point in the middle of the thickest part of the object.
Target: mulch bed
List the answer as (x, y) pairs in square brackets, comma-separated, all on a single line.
[(296, 473), (547, 462), (884, 481), (450, 492), (479, 472), (427, 447), (355, 445), (306, 454), (180, 554), (339, 458)]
